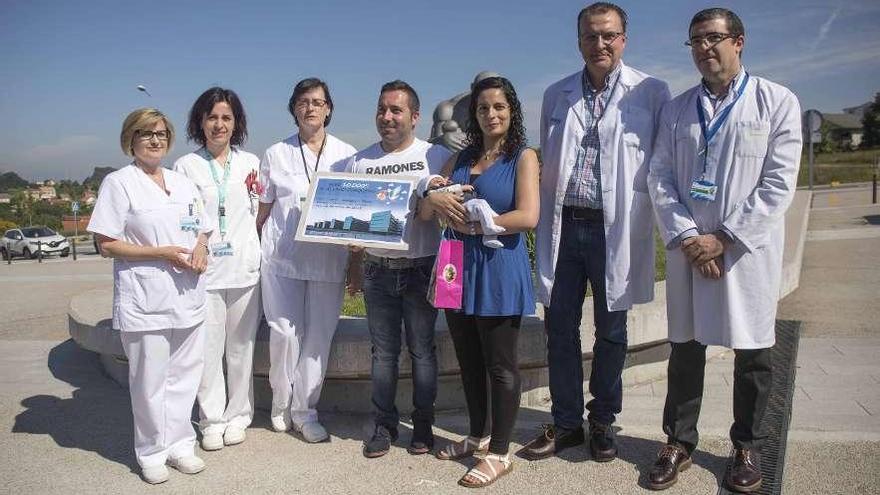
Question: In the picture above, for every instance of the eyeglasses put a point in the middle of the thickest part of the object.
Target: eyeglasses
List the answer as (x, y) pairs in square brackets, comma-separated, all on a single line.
[(710, 39), (607, 38), (302, 103), (149, 135)]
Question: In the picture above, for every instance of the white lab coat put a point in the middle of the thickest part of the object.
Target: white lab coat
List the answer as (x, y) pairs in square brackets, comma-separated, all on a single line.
[(242, 269), (626, 132), (286, 181), (158, 309), (757, 152), (151, 294)]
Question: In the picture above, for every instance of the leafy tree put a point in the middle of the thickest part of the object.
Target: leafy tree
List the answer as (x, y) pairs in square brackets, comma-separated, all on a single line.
[(871, 124), (10, 181), (23, 208)]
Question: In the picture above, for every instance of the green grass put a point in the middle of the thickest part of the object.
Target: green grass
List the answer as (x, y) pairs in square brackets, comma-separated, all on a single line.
[(354, 305), (839, 166), (858, 157), (826, 174), (659, 258)]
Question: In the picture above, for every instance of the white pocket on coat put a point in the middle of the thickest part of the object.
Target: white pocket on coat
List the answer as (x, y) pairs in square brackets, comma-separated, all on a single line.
[(751, 139), (151, 292)]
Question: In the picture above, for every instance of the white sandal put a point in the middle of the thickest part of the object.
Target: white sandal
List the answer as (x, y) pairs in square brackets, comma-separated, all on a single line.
[(465, 448), (484, 478)]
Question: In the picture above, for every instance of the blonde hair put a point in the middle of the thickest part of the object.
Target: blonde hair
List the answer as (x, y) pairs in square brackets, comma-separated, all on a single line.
[(142, 119)]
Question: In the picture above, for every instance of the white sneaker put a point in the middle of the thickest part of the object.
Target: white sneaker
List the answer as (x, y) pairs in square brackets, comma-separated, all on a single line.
[(312, 432), (233, 436), (280, 419), (190, 464), (155, 474), (212, 441)]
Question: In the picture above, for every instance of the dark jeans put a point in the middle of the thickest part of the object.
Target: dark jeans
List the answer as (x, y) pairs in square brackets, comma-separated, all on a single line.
[(581, 261), (752, 377), (392, 296), (488, 343)]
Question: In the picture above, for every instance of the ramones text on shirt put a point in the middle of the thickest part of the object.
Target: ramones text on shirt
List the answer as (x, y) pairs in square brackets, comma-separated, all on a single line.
[(396, 168)]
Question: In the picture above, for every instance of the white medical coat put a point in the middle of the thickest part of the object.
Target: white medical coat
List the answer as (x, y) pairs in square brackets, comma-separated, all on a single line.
[(286, 180), (151, 294), (242, 269), (626, 133), (756, 154)]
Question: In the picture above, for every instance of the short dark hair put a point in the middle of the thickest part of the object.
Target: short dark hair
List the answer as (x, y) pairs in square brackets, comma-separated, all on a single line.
[(398, 85), (203, 106), (516, 134), (304, 87), (602, 8), (734, 24)]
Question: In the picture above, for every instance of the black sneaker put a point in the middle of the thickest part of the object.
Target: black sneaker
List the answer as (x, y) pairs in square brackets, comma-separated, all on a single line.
[(380, 443), (422, 439), (603, 443)]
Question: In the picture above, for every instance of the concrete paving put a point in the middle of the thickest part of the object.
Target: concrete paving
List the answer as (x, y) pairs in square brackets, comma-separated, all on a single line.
[(66, 428)]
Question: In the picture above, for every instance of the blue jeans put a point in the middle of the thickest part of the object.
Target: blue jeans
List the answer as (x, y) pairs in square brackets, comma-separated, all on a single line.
[(581, 261), (392, 295)]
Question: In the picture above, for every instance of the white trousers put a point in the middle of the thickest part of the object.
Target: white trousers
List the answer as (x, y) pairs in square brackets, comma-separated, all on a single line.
[(231, 322), (164, 369), (302, 317)]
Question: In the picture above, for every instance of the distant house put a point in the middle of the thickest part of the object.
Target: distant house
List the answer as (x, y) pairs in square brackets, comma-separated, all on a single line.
[(89, 197), (844, 129), (41, 193), (858, 111), (5, 198)]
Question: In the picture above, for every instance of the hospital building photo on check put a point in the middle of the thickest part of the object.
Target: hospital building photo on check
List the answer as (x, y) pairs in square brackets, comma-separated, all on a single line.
[(381, 224)]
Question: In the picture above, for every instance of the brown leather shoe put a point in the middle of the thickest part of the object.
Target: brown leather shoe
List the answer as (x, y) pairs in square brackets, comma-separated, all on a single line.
[(551, 441), (744, 475), (671, 460)]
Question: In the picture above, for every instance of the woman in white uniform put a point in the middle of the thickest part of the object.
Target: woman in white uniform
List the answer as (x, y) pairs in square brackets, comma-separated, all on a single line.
[(302, 282), (150, 220), (220, 169)]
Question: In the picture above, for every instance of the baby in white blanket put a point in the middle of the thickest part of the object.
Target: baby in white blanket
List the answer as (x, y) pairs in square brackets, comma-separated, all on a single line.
[(478, 210)]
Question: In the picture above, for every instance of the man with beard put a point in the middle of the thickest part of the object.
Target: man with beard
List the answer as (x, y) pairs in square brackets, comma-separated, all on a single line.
[(395, 282), (723, 173)]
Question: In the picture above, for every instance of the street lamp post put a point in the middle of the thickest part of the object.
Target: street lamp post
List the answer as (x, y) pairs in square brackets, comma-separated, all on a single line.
[(143, 89)]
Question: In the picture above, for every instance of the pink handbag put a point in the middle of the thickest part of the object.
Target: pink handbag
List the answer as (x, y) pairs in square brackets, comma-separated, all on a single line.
[(445, 291)]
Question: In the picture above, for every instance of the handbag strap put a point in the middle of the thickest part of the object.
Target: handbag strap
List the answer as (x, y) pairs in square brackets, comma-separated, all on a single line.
[(449, 233)]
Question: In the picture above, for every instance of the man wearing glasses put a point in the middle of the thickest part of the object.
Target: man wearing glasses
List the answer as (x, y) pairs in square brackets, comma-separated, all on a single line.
[(596, 226), (722, 175)]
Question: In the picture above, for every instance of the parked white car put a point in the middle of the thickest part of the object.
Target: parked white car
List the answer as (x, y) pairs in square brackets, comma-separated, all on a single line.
[(28, 241)]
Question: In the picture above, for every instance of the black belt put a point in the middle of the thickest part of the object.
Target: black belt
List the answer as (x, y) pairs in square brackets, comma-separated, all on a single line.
[(591, 215), (398, 263)]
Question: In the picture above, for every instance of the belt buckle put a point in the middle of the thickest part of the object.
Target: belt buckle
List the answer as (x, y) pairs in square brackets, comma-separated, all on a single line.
[(395, 263)]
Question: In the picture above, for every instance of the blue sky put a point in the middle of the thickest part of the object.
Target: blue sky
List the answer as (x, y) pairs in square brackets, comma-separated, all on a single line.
[(68, 70)]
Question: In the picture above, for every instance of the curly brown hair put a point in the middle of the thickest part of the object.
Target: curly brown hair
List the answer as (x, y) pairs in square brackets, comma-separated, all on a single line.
[(516, 134)]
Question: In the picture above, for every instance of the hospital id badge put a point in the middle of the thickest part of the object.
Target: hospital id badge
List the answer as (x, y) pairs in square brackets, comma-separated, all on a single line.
[(223, 248), (703, 190), (189, 223)]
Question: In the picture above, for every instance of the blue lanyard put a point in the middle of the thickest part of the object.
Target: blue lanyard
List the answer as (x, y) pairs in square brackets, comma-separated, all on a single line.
[(221, 187), (709, 132)]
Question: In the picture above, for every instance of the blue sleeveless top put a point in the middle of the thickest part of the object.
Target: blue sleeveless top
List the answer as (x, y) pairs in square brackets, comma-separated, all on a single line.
[(497, 282)]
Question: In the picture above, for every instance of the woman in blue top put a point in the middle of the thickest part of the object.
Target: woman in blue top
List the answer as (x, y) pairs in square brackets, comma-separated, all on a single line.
[(497, 281)]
